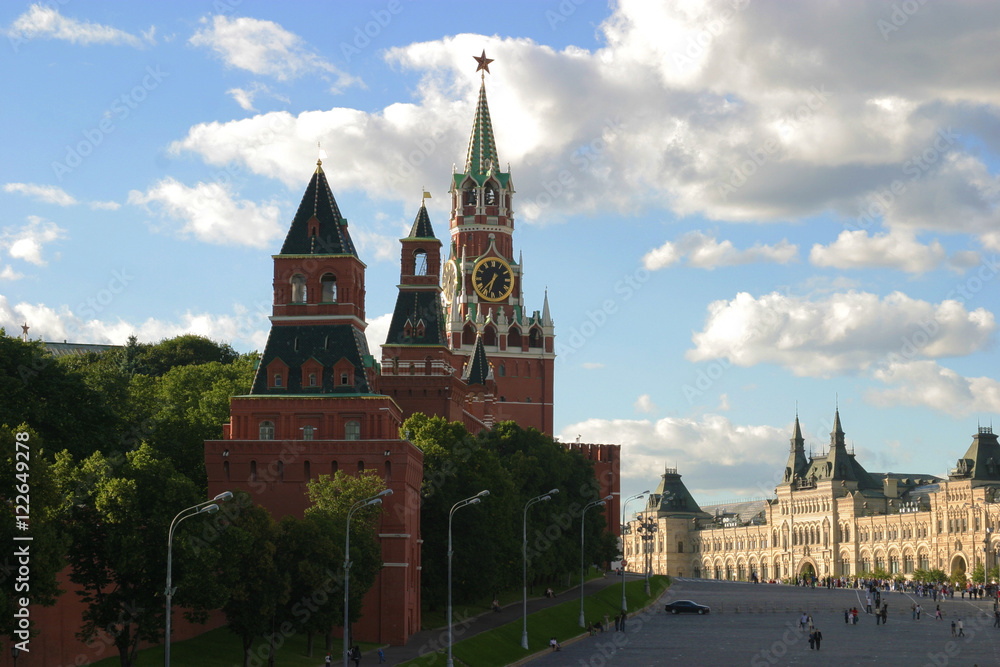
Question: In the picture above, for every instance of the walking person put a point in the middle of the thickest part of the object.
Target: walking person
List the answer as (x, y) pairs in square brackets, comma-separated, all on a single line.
[(819, 637), (356, 655), (328, 660), (812, 640), (996, 618), (961, 628), (918, 612), (381, 656)]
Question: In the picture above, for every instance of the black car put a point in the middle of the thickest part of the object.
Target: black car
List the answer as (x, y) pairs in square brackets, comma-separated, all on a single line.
[(686, 607)]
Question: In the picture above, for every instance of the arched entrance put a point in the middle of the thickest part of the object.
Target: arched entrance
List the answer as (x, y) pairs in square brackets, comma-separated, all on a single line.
[(807, 570), (958, 566)]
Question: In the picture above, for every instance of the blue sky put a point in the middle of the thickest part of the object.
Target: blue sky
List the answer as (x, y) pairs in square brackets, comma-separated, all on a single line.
[(736, 207)]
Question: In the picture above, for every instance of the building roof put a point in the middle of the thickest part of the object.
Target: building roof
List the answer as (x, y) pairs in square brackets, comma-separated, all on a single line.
[(481, 161), (478, 370), (331, 237), (417, 319), (672, 497), (421, 228), (982, 460), (65, 349), (742, 511), (327, 344)]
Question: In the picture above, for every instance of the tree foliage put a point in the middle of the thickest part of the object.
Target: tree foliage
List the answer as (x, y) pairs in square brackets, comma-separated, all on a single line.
[(515, 465)]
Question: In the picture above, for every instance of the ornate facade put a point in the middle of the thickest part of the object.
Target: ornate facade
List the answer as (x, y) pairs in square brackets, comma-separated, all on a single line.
[(828, 517)]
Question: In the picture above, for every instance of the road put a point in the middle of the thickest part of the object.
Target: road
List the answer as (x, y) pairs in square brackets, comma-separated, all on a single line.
[(764, 631)]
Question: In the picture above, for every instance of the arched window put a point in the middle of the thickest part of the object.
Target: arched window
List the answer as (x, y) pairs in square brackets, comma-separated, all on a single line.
[(361, 466), (281, 471), (535, 338), (388, 471), (420, 262), (469, 197), (502, 371), (266, 430), (298, 288), (469, 334), (307, 471), (277, 380), (225, 469), (352, 430), (490, 195), (490, 335), (514, 338), (253, 471), (328, 284), (334, 467)]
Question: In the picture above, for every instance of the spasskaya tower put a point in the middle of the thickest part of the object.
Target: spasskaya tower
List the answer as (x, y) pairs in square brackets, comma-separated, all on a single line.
[(482, 282)]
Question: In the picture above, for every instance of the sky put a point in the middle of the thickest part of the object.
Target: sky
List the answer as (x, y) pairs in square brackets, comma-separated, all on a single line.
[(741, 210)]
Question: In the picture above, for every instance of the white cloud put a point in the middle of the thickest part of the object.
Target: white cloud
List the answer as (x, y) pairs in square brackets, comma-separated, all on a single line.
[(245, 96), (26, 242), (645, 404), (53, 194), (711, 452), (50, 194), (242, 328), (896, 249), (378, 329), (926, 384), (210, 212), (672, 128), (704, 252), (47, 22), (840, 333), (8, 273), (264, 48)]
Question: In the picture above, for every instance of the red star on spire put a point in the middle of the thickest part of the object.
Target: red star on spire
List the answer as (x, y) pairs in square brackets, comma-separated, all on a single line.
[(484, 62)]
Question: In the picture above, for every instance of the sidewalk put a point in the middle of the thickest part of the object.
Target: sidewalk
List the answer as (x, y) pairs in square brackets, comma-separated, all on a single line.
[(428, 641)]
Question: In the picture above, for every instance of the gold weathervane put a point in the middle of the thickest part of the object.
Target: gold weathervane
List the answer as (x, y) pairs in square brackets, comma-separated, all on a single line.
[(484, 62)]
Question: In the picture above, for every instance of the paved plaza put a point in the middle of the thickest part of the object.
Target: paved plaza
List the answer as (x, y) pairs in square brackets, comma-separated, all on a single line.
[(765, 631)]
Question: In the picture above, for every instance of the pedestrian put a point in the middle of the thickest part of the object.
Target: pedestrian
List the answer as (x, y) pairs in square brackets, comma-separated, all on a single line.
[(812, 640), (996, 618), (918, 612), (847, 613), (356, 655), (868, 603), (328, 661), (937, 613), (885, 612), (961, 628), (554, 645), (590, 629), (810, 622), (819, 638), (953, 628), (913, 610), (878, 616), (381, 656), (803, 620), (623, 621)]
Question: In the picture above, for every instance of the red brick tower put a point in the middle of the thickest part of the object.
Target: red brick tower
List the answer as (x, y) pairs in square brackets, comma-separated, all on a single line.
[(315, 408), (419, 370), (482, 284)]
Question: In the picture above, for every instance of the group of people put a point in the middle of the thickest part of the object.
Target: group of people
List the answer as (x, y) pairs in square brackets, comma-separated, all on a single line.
[(815, 636), (595, 627)]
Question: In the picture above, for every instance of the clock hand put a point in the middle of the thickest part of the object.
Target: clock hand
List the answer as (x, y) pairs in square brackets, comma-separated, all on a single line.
[(489, 285)]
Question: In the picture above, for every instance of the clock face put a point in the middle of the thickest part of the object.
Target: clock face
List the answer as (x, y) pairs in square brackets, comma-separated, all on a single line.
[(449, 280), (492, 279)]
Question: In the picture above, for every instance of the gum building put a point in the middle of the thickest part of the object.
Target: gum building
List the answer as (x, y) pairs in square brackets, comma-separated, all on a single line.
[(828, 517)]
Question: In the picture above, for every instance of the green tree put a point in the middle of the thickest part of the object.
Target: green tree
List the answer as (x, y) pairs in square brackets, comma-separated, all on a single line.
[(979, 574), (54, 400), (249, 571), (28, 487), (332, 499), (311, 551), (120, 509), (185, 350)]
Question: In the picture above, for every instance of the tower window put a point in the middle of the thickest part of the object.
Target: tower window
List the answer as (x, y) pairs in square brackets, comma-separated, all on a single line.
[(328, 285), (490, 196), (420, 263), (352, 430), (502, 371), (298, 288), (266, 430), (470, 197), (307, 432)]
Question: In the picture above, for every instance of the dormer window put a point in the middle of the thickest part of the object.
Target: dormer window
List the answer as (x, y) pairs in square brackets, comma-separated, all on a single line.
[(343, 379), (277, 379), (312, 379), (298, 288)]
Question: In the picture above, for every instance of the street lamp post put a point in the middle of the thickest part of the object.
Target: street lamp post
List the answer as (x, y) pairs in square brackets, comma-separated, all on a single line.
[(595, 503), (474, 500), (205, 507), (647, 531), (374, 500), (625, 514), (524, 556)]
